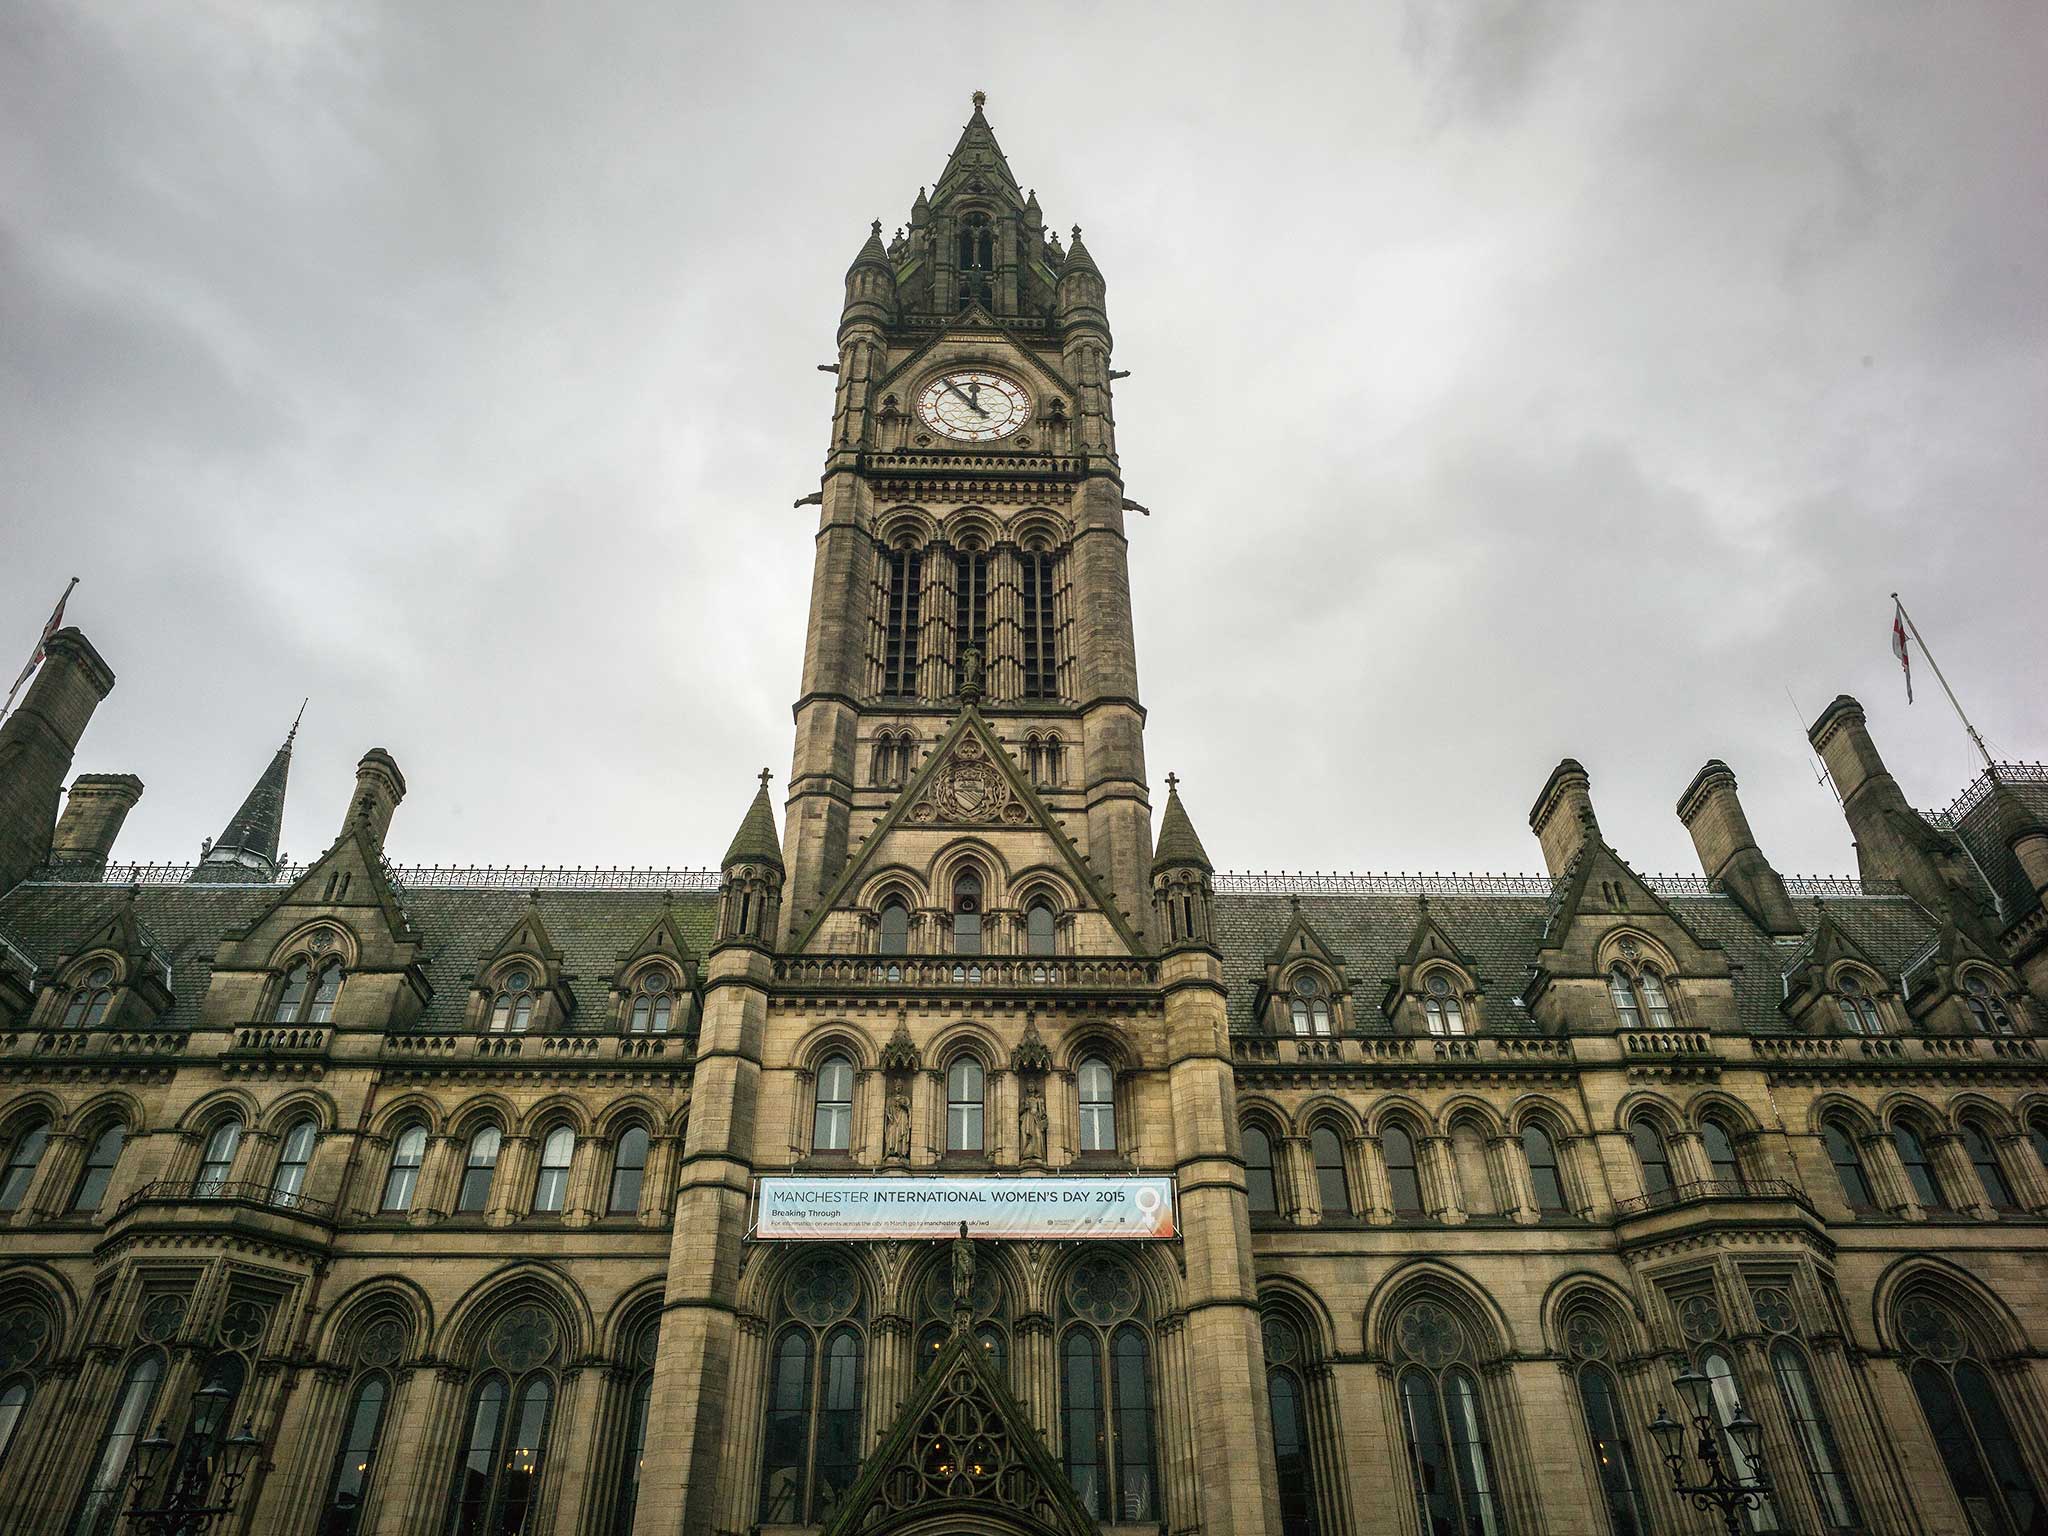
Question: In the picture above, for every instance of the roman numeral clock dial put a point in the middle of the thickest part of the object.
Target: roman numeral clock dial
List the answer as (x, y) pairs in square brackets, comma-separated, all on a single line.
[(973, 407)]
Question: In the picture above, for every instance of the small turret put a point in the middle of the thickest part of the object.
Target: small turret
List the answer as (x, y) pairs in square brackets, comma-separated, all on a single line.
[(750, 884), (1183, 898), (1562, 817), (870, 285), (2026, 835), (246, 850)]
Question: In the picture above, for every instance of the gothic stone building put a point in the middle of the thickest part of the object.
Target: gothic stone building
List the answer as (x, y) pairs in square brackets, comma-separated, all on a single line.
[(441, 1180)]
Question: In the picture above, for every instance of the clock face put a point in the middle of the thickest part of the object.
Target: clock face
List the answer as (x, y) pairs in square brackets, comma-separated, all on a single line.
[(971, 406)]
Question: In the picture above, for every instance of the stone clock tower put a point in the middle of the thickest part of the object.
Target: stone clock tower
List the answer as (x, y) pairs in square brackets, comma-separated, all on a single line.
[(970, 547)]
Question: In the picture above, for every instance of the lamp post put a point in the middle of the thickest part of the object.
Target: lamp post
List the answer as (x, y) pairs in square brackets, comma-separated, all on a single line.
[(202, 1486), (1724, 1488)]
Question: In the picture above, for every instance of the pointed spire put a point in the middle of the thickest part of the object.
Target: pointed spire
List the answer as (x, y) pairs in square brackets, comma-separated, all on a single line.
[(756, 841), (872, 251), (1178, 844), (1078, 259), (248, 843), (978, 157)]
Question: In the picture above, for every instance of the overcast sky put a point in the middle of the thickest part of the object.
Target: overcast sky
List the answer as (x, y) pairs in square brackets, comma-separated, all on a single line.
[(1508, 381)]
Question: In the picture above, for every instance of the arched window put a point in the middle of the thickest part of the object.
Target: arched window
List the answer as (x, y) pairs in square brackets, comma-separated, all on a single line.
[(1047, 768), (498, 1469), (1727, 1400), (990, 1308), (1098, 1105), (970, 605), (1919, 1166), (964, 1108), (90, 999), (1614, 1460), (551, 1183), (1978, 1448), (1987, 1008), (362, 1428), (1333, 1187), (1448, 1449), (2037, 1133), (24, 1155), (479, 1167), (1262, 1191), (977, 246), (1310, 1006), (903, 576), (1858, 1009), (1404, 1177), (1840, 1140), (832, 1122), (633, 1446), (1541, 1154), (1990, 1173), (408, 1151), (1040, 631), (1724, 1166), (217, 1162), (967, 913), (892, 935), (98, 1173), (14, 1396), (294, 1155), (291, 997), (326, 992), (1106, 1392), (1655, 1000), (1287, 1402), (512, 1008), (654, 1000), (1816, 1437), (100, 1506), (1440, 1002), (1623, 993), (1652, 1157), (1038, 928), (629, 1170), (811, 1441)]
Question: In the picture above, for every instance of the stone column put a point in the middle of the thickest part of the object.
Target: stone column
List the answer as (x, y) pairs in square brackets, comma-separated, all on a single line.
[(428, 1429), (1511, 1176), (1440, 1180), (511, 1181)]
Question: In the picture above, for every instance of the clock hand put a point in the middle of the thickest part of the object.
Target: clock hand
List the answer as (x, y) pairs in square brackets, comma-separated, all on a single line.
[(971, 405)]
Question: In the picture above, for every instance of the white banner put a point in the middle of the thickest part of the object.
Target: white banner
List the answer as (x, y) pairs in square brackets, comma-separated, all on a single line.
[(828, 1208)]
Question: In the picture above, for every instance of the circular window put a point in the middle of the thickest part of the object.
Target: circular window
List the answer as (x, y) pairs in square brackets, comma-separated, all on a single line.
[(1308, 984), (1929, 1330), (1439, 984), (987, 1295), (1700, 1318), (102, 976), (654, 983), (241, 1325), (382, 1342), (1283, 1344), (517, 981), (23, 1333), (1774, 1310), (1430, 1334), (1585, 1337), (523, 1338), (1850, 985), (822, 1290), (161, 1315), (1102, 1290)]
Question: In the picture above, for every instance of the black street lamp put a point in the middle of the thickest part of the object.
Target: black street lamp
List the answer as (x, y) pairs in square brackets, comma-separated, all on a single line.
[(1723, 1488), (202, 1487)]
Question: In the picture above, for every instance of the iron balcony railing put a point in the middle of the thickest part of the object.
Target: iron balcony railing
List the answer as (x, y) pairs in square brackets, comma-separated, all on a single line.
[(1696, 1190), (228, 1192)]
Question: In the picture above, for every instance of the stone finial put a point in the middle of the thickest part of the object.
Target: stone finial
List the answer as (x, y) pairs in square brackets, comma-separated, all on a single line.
[(980, 100)]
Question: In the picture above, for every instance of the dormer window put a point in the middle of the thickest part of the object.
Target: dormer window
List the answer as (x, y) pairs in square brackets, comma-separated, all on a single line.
[(1310, 1004), (1638, 996), (512, 1009), (1857, 1007), (1440, 1002), (90, 999), (653, 1002), (967, 913), (1987, 1009)]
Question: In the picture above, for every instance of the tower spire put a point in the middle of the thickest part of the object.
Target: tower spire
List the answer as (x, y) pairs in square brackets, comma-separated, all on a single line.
[(247, 846)]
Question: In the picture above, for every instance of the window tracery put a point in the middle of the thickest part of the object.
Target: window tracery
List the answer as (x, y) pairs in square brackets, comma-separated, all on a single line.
[(1982, 1456), (1441, 1005), (1639, 992), (1449, 1450), (1589, 1344), (500, 1462), (654, 1001), (1308, 1003), (811, 1439), (513, 1004), (1106, 1391), (91, 996), (25, 1335), (1287, 1405), (1988, 1010), (1856, 1005)]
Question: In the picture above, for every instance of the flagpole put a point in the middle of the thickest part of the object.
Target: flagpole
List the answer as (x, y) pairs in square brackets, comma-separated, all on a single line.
[(29, 671), (1977, 740)]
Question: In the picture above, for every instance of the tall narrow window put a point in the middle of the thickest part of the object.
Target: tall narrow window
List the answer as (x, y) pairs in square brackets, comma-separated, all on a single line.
[(1038, 928), (1541, 1153), (892, 934), (217, 1162), (100, 1162), (653, 1002), (1110, 1451), (1440, 1002), (1858, 1009), (1333, 1186), (479, 1167), (14, 1396), (1919, 1167), (1816, 1437), (1613, 1457), (294, 1156), (967, 913), (633, 1449), (1987, 1008), (291, 997), (964, 1108), (970, 605), (1840, 1142), (629, 1170), (1287, 1403), (1984, 1158), (1725, 1167), (99, 1509), (1310, 1007), (904, 572), (832, 1122), (1978, 1448), (1727, 1400), (512, 1008), (24, 1155), (1448, 1449), (1262, 1192), (1404, 1178), (786, 1453), (1655, 999), (551, 1183), (326, 992), (1623, 994), (1041, 660), (2037, 1137), (838, 1454), (350, 1480), (1097, 1086), (91, 999), (1652, 1157), (811, 1434), (499, 1473), (402, 1179)]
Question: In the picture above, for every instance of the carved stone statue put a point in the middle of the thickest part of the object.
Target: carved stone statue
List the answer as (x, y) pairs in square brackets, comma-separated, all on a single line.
[(970, 673), (896, 1126), (963, 1279), (1031, 1127)]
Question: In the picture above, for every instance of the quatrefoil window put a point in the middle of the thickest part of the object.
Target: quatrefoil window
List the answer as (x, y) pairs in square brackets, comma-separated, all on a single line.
[(1585, 1337), (1930, 1330), (1774, 1310), (1700, 1318), (1102, 1291), (382, 1342), (241, 1325), (822, 1291), (161, 1315), (23, 1332), (523, 1339)]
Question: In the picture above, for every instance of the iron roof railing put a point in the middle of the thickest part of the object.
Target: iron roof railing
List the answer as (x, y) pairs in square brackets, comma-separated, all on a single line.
[(1695, 1190), (1980, 789), (416, 877)]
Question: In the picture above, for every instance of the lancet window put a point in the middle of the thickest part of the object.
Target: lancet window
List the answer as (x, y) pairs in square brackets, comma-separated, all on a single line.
[(1106, 1421), (832, 1119), (967, 913), (25, 1338), (654, 1001), (1987, 1009), (1096, 1082), (970, 605), (1589, 1342), (903, 576), (965, 1109), (991, 1312), (504, 1449), (1449, 1450), (633, 1447), (1803, 1406), (1653, 1157), (479, 1169), (1309, 1004), (1540, 1151), (100, 1505), (811, 1438), (1040, 626), (1979, 1450), (1639, 995), (1981, 1148), (1441, 1005), (551, 1182), (90, 998), (1262, 1190), (512, 1008), (629, 1171), (1856, 1006), (1287, 1403), (24, 1156), (892, 932), (1911, 1141), (1404, 1176), (1333, 1183)]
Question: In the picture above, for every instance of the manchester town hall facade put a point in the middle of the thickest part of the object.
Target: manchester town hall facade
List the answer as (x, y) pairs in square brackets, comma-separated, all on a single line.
[(436, 1187)]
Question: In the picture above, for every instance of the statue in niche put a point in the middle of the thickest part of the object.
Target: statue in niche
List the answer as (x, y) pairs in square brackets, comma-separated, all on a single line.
[(896, 1126), (963, 1278), (1031, 1126)]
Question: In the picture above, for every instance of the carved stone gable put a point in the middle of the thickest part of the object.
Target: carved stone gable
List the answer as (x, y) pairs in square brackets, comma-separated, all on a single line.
[(969, 789)]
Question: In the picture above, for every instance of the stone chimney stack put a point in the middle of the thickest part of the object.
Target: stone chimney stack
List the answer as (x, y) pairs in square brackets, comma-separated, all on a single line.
[(1562, 817), (36, 744), (379, 788), (1713, 814), (94, 812), (2027, 836)]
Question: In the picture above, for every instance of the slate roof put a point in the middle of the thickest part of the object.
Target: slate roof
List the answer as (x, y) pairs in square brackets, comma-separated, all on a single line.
[(1985, 816)]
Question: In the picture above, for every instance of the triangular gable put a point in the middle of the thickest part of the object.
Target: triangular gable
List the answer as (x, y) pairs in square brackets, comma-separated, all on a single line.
[(969, 782), (528, 936), (1431, 942), (1600, 883), (1300, 938), (664, 937), (351, 872), (963, 1445)]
